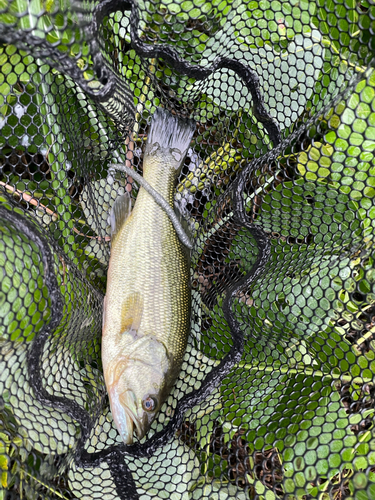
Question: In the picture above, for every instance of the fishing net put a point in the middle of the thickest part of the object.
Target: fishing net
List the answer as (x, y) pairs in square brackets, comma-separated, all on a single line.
[(275, 398)]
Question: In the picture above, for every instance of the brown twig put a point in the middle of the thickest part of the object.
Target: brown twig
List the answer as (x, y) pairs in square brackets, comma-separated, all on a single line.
[(99, 238), (29, 199), (33, 201), (64, 268)]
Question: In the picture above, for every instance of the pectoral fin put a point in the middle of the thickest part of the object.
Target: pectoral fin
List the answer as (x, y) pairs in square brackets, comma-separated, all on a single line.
[(120, 212), (131, 314)]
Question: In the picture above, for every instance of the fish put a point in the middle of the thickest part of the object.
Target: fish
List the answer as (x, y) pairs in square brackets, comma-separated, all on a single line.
[(146, 313)]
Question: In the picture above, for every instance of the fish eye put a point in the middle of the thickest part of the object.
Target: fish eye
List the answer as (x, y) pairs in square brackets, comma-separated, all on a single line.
[(149, 403)]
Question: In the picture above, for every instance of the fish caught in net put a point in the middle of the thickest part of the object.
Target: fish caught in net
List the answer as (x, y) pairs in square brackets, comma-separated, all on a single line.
[(261, 257)]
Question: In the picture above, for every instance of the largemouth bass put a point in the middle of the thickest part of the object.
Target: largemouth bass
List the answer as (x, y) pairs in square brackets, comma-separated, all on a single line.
[(147, 303)]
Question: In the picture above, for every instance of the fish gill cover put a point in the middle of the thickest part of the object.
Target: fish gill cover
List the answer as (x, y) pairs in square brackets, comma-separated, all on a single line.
[(275, 397)]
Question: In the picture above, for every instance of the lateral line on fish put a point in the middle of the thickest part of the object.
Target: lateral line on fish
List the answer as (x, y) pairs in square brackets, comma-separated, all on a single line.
[(158, 198)]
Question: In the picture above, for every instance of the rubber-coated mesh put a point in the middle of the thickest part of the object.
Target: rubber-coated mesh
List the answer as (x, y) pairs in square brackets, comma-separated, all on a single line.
[(275, 398)]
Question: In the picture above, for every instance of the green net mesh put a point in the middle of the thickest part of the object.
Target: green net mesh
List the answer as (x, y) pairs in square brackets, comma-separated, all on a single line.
[(275, 396)]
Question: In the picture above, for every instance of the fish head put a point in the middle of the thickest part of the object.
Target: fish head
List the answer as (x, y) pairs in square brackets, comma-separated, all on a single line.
[(139, 385)]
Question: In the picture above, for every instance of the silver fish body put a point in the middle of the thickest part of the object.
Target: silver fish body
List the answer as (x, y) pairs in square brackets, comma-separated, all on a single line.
[(147, 303)]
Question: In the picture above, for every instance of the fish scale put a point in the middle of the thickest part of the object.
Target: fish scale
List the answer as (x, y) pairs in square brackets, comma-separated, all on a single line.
[(147, 304)]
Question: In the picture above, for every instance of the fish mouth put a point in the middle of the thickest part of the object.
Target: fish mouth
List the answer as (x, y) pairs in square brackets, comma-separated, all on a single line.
[(132, 419)]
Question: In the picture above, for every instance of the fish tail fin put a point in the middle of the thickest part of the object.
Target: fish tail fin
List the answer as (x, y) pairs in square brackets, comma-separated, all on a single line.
[(170, 132)]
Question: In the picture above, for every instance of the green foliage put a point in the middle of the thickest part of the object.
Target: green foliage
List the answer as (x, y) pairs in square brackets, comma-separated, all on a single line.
[(24, 306), (308, 300), (44, 113)]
